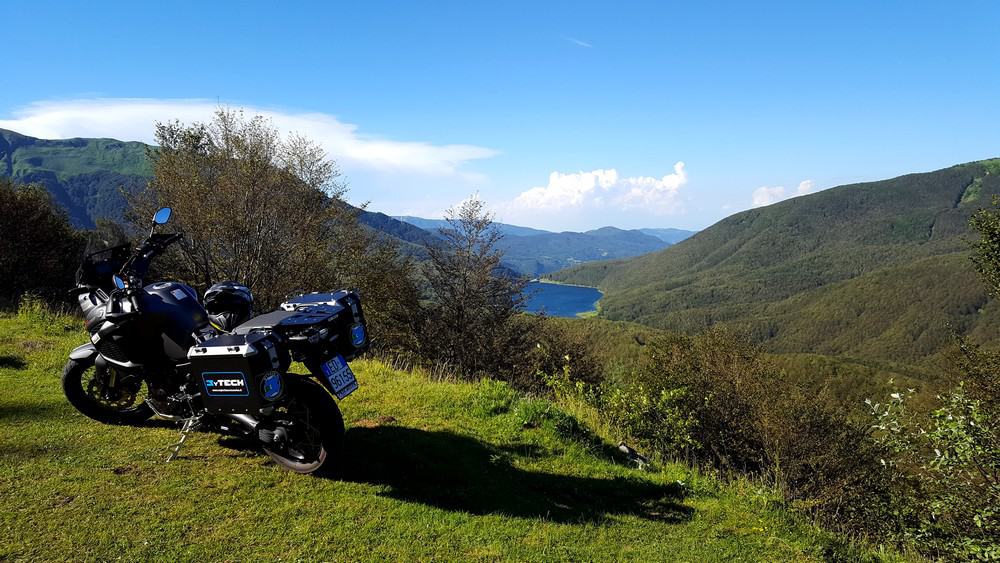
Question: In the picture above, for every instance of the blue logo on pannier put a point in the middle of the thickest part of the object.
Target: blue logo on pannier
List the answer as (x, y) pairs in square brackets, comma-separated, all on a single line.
[(271, 386), (358, 335)]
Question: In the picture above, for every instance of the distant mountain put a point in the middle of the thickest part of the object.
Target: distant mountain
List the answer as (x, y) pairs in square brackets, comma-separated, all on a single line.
[(540, 254), (673, 236), (877, 270), (433, 225), (534, 252), (85, 176)]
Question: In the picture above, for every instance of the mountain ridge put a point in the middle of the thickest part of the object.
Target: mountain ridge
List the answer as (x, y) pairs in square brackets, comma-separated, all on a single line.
[(762, 268)]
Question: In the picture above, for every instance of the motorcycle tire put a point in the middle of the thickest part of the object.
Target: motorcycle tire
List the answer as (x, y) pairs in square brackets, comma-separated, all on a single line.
[(310, 405), (73, 388)]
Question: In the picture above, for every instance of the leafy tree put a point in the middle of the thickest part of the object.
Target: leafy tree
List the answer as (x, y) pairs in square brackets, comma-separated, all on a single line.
[(986, 249), (252, 206), (474, 323), (39, 249), (269, 212)]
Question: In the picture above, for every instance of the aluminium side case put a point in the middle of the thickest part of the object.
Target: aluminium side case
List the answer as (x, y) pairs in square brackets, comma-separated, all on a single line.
[(239, 373)]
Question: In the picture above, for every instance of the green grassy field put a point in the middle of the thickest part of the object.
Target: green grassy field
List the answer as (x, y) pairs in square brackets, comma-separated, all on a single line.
[(433, 470)]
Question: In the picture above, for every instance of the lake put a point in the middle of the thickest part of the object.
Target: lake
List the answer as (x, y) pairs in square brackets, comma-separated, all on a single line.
[(560, 300)]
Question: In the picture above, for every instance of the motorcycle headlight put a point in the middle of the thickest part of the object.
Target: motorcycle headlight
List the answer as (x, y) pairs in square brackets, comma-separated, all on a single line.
[(358, 335)]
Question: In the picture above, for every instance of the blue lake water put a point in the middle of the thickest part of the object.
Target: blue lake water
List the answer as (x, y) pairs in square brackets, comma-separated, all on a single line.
[(560, 300)]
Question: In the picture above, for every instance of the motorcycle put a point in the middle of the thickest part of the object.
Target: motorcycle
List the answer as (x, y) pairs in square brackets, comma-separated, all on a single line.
[(155, 350)]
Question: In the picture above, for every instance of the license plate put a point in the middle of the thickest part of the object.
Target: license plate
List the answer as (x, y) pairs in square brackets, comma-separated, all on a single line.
[(340, 376)]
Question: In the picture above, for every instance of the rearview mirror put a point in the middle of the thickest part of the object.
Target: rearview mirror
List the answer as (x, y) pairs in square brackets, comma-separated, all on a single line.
[(119, 282), (162, 216)]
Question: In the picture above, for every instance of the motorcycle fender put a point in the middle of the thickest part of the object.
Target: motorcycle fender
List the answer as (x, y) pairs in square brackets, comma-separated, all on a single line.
[(84, 352)]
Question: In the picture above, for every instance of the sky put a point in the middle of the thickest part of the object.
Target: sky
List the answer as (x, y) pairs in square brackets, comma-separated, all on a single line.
[(560, 115)]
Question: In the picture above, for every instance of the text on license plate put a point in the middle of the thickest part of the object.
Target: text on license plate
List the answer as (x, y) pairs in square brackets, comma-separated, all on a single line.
[(340, 376)]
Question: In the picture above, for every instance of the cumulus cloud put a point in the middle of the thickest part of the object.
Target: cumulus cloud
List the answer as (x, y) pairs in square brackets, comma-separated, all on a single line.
[(133, 118), (765, 195), (606, 189)]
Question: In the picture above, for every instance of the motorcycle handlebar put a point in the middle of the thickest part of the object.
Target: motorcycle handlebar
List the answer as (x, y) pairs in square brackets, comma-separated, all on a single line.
[(136, 266)]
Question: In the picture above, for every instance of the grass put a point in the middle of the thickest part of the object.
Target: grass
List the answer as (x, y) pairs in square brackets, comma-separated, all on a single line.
[(433, 470)]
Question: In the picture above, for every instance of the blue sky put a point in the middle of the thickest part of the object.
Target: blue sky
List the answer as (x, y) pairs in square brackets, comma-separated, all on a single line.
[(560, 115)]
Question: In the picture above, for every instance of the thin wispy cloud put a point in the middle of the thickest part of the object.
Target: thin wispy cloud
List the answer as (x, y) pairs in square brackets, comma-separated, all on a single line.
[(578, 42), (132, 119)]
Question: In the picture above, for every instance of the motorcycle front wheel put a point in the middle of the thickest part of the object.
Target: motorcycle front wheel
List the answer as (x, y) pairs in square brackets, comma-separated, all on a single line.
[(311, 427), (102, 397)]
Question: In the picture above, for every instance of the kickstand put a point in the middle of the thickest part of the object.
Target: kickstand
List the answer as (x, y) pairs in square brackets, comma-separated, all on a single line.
[(190, 424)]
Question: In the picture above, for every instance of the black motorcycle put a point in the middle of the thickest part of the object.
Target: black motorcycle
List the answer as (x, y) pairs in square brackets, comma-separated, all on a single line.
[(155, 350)]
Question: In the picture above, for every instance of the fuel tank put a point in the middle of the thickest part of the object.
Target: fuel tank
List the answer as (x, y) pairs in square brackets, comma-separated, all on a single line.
[(173, 308)]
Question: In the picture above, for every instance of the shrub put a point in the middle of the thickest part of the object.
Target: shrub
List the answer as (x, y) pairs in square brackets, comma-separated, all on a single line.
[(39, 249), (716, 401), (953, 455)]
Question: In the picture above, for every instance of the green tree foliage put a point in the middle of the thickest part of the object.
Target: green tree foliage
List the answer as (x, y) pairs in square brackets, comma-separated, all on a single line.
[(39, 249), (268, 211), (986, 249), (715, 400), (474, 323)]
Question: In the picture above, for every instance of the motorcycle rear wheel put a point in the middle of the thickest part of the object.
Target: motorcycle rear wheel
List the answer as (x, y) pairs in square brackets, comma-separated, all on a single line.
[(77, 385), (315, 437)]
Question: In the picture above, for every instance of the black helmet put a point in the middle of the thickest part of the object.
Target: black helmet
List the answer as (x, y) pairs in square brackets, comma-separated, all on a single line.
[(229, 304)]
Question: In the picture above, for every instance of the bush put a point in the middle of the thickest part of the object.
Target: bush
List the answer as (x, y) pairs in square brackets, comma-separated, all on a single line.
[(717, 402), (39, 249), (953, 454)]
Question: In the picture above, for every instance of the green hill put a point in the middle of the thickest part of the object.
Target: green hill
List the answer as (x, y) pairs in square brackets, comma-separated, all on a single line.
[(433, 470), (876, 270), (84, 175)]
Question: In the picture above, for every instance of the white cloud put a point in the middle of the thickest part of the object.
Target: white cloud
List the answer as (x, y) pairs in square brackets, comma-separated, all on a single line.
[(578, 43), (765, 195), (606, 189), (133, 119)]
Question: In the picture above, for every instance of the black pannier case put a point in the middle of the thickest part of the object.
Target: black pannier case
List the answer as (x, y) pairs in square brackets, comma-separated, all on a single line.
[(239, 373), (317, 326)]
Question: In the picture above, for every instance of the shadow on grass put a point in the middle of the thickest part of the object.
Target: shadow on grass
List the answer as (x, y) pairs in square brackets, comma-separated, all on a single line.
[(12, 362), (28, 412), (460, 473)]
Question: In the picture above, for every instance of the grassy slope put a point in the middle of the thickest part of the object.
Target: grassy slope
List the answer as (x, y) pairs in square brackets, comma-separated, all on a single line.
[(443, 480), (851, 270)]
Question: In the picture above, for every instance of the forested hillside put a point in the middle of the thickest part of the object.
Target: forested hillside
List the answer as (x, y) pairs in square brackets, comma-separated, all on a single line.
[(874, 270), (85, 176)]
